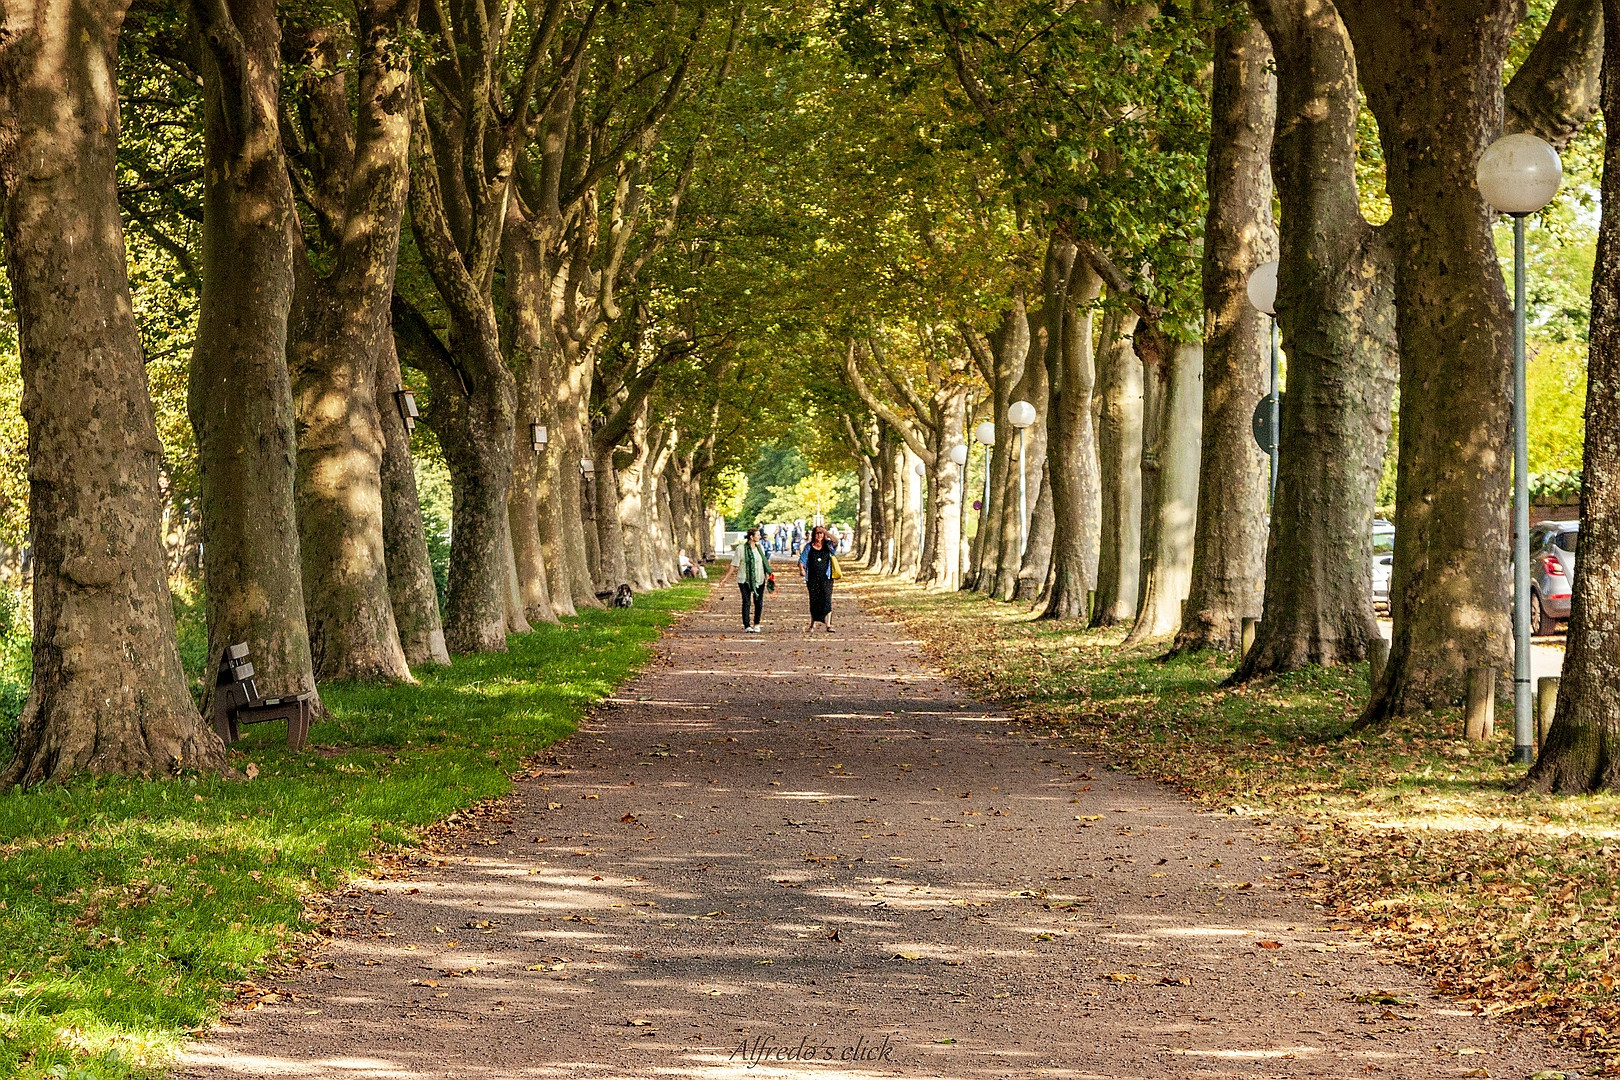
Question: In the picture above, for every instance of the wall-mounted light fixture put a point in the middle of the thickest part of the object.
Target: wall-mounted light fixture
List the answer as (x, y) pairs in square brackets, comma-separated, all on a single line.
[(406, 401), (587, 467), (537, 432)]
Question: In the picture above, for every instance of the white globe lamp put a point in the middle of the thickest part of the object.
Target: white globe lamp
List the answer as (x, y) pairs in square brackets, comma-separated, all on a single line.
[(1519, 174), (920, 469), (959, 453), (1263, 288), (1021, 414), (985, 434)]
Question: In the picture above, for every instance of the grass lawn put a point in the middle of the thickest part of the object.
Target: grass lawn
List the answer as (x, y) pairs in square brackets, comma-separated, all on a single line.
[(1508, 902), (127, 908)]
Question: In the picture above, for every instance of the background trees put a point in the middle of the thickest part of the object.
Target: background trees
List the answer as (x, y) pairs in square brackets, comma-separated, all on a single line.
[(632, 263)]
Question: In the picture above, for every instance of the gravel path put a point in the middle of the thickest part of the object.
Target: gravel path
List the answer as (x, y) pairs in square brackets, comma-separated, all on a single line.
[(772, 848)]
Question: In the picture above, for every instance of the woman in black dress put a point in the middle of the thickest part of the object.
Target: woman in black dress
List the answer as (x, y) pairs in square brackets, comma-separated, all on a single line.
[(815, 561)]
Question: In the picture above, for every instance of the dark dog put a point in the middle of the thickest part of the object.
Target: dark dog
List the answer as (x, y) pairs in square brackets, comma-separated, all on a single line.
[(623, 598)]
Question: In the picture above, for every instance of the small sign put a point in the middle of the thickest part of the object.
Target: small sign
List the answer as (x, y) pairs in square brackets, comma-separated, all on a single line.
[(1262, 424)]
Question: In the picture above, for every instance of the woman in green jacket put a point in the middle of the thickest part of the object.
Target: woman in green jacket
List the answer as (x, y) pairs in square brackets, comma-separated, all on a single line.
[(753, 571)]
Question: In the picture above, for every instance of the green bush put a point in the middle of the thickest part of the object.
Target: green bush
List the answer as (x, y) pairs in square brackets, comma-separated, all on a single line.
[(1562, 485), (16, 665)]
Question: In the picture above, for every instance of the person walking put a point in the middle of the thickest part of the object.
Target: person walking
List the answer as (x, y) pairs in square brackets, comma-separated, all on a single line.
[(753, 571), (817, 559)]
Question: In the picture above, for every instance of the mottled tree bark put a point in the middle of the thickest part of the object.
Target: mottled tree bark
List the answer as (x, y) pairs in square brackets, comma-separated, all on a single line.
[(1035, 388), (1229, 545), (913, 497), (240, 395), (1170, 518), (107, 694), (1119, 453), (1009, 348), (340, 329), (1036, 565), (1582, 751), (414, 596), (944, 570), (609, 530), (473, 413), (523, 502), (1555, 91), (633, 510), (1335, 308), (1071, 457), (579, 538), (1433, 76)]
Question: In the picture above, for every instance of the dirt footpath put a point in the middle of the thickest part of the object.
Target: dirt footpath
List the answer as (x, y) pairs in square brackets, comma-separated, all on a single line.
[(779, 856)]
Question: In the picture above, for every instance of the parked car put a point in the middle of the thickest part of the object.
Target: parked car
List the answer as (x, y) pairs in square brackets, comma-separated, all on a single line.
[(1383, 559), (1552, 572)]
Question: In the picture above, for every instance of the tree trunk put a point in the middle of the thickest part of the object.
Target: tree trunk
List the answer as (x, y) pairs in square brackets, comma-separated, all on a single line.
[(945, 567), (1010, 348), (95, 703), (413, 595), (1582, 751), (578, 541), (634, 514), (1167, 543), (240, 395), (537, 363), (1433, 77), (609, 531), (523, 514), (1229, 547), (1071, 456), (1335, 309), (517, 622), (1119, 453), (1033, 387), (340, 331), (1037, 561), (913, 494), (473, 413)]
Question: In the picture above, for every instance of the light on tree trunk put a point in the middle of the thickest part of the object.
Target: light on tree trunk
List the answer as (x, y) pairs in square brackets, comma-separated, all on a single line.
[(985, 433), (1021, 414), (1519, 174), (587, 466), (406, 402), (959, 453), (1263, 288), (537, 432)]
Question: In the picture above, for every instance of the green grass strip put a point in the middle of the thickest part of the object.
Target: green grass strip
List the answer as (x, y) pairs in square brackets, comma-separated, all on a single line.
[(127, 907)]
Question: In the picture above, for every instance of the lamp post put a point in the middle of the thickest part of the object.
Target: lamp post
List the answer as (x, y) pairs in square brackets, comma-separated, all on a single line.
[(1021, 414), (1263, 297), (1518, 175), (985, 436), (537, 433)]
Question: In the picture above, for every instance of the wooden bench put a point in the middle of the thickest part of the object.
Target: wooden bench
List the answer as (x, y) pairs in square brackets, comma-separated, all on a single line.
[(237, 701)]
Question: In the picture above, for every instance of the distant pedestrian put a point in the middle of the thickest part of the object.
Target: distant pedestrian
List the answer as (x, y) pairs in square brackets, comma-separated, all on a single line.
[(818, 561), (753, 571)]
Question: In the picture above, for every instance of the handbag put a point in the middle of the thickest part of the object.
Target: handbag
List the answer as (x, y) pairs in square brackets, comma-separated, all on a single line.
[(770, 583), (837, 571)]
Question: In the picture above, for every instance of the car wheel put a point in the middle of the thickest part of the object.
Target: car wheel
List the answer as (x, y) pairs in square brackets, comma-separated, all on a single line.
[(1538, 617)]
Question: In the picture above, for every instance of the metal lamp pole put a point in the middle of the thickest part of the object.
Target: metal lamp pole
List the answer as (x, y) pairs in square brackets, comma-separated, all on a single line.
[(1276, 412), (1518, 175), (1524, 732), (1262, 289)]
